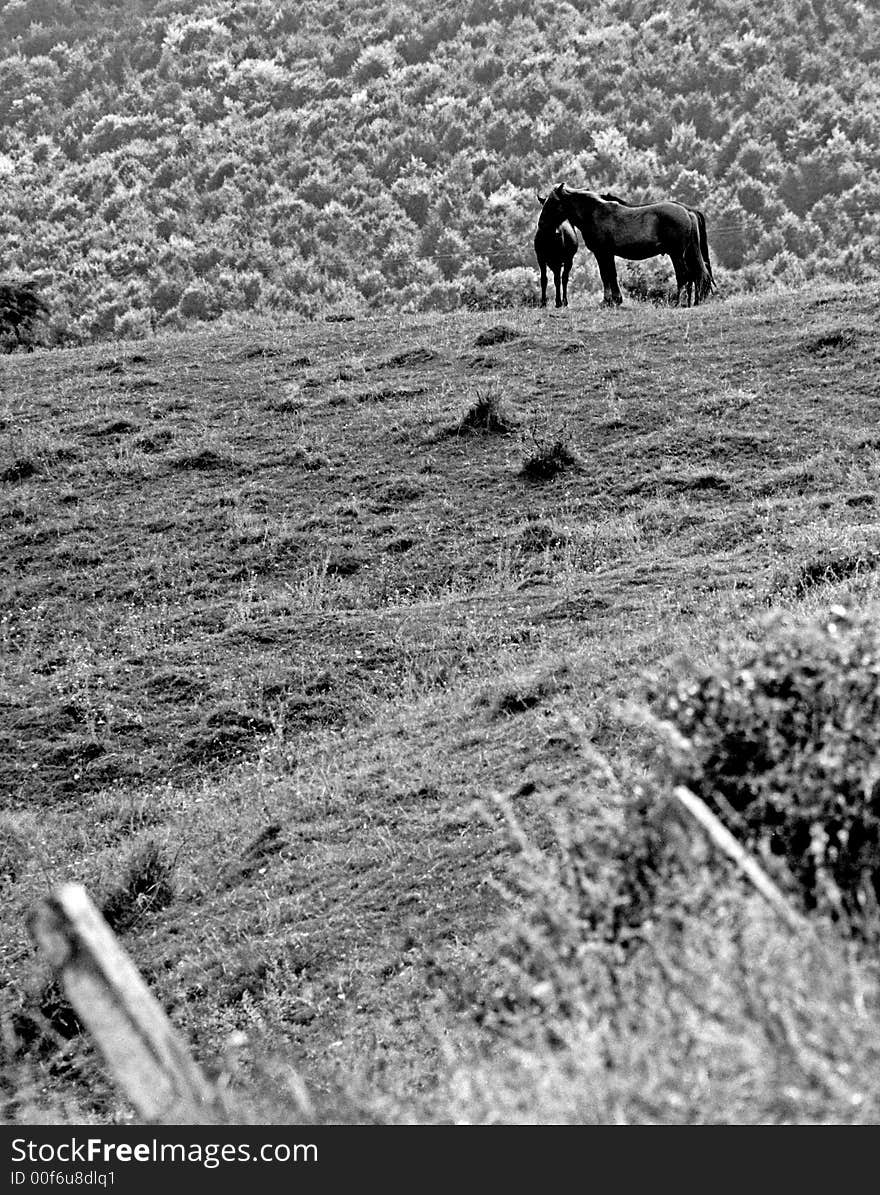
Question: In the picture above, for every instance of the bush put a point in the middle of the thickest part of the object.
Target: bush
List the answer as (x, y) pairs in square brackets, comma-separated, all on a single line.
[(649, 282), (785, 748), (165, 295), (134, 324), (550, 454), (21, 307), (505, 288), (197, 302)]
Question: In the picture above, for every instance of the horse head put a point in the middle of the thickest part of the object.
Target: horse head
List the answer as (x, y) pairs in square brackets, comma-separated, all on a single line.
[(561, 195), (557, 205)]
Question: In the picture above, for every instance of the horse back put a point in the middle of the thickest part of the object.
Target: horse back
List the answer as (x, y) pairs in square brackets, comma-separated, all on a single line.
[(639, 231)]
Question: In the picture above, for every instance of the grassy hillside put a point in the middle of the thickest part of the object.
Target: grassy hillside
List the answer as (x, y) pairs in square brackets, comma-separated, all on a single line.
[(167, 162), (300, 665)]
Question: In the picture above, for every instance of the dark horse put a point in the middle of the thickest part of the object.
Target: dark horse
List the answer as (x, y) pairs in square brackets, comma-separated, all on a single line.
[(556, 243), (611, 229), (701, 224)]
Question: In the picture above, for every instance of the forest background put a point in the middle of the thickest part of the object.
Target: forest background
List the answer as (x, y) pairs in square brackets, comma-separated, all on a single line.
[(164, 162)]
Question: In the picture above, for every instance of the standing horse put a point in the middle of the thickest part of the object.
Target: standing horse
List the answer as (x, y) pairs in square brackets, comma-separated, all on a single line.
[(701, 224), (612, 230), (556, 243)]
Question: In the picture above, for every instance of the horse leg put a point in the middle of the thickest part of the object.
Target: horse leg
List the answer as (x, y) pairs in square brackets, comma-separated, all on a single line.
[(608, 272), (682, 281), (556, 284), (566, 270), (543, 265)]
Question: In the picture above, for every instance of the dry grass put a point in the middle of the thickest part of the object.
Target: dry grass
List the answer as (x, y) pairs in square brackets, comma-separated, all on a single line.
[(257, 594)]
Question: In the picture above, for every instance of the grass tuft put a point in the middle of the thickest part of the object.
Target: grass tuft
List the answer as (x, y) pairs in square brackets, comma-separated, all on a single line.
[(549, 457), (145, 888), (488, 413)]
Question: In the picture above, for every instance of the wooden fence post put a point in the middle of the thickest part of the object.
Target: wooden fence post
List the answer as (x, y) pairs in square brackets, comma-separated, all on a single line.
[(143, 1051), (722, 838)]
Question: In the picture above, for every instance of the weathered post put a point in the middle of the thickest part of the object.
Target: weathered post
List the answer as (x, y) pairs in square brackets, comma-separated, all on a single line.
[(144, 1053)]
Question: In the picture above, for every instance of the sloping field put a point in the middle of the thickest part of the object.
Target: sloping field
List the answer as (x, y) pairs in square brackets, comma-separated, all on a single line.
[(278, 621)]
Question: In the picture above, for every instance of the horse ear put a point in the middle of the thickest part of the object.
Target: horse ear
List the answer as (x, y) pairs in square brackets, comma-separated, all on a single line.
[(542, 199)]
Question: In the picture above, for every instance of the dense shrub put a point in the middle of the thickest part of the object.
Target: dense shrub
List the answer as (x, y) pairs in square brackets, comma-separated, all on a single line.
[(21, 309), (785, 747), (652, 282)]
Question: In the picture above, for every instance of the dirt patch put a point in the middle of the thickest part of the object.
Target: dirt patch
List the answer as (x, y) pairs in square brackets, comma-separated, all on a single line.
[(344, 564), (831, 569), (156, 441), (202, 459), (404, 489), (254, 856), (175, 685), (829, 343), (20, 470), (678, 483), (496, 335), (516, 694), (260, 351), (226, 732), (409, 358), (391, 394), (481, 361), (540, 535), (112, 427)]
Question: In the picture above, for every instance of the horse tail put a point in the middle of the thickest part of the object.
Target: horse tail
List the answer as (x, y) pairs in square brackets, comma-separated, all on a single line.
[(704, 247), (700, 275)]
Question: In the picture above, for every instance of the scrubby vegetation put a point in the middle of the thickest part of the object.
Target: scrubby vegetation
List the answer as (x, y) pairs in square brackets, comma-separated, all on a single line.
[(21, 309), (167, 162), (785, 746)]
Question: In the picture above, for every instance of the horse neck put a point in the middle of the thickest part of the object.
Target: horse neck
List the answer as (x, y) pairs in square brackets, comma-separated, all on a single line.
[(588, 202)]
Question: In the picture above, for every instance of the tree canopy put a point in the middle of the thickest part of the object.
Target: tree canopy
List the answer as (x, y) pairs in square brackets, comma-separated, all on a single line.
[(165, 161)]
